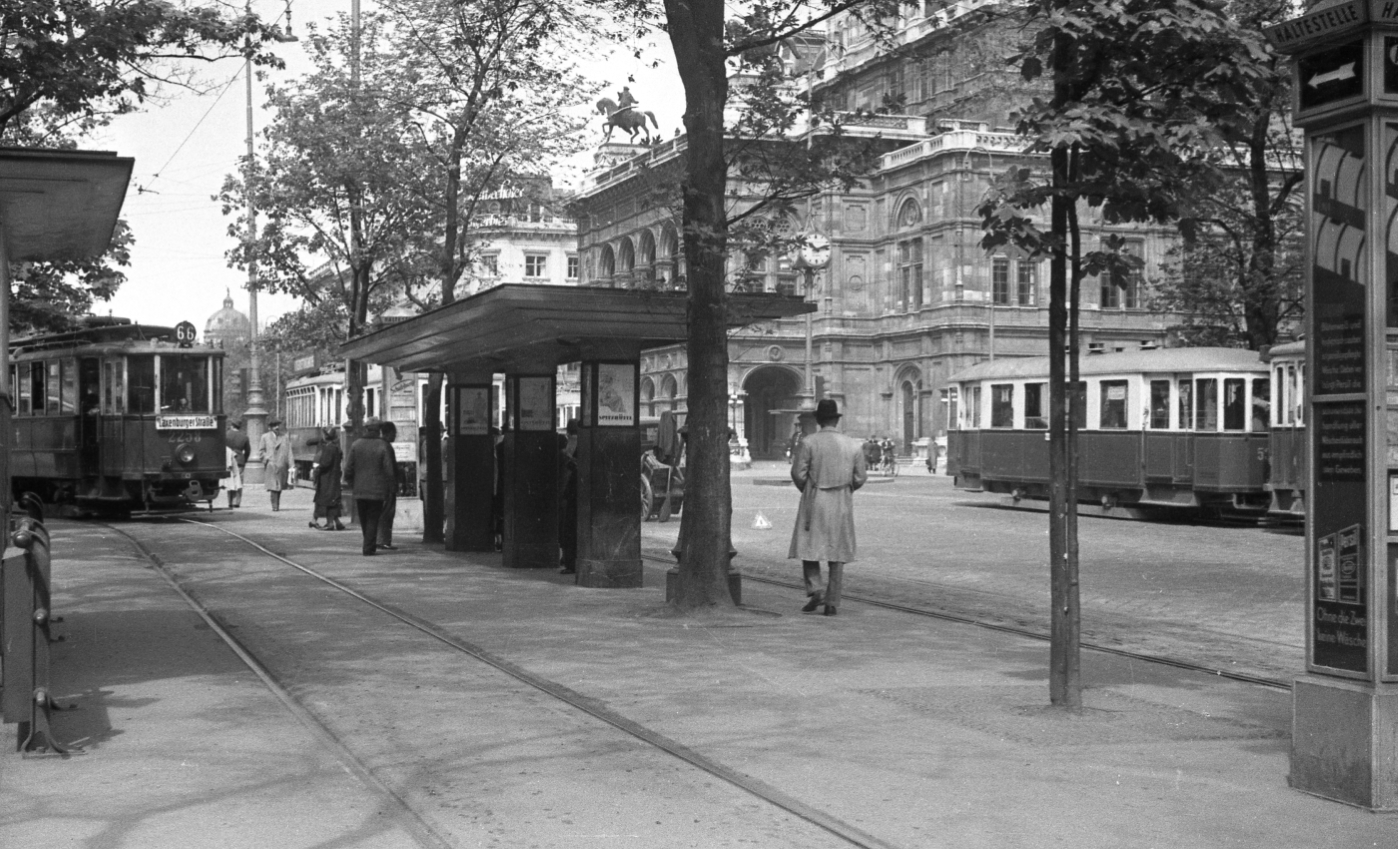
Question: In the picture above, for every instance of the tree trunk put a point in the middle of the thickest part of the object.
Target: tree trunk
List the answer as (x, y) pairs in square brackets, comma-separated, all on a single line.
[(696, 32), (1061, 645)]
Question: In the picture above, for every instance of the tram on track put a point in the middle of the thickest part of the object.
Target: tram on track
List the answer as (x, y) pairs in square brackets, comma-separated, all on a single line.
[(1287, 454), (1170, 429), (115, 416)]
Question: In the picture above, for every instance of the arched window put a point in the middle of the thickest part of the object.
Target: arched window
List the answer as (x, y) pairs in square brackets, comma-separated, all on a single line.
[(645, 259), (625, 257), (668, 390), (648, 396), (909, 214), (607, 265)]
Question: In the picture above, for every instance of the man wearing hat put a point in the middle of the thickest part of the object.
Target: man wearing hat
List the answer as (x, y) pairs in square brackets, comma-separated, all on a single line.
[(274, 450), (827, 467), (370, 470), (237, 442)]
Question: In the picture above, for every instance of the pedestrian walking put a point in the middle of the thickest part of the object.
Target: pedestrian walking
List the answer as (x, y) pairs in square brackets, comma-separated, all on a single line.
[(238, 442), (389, 433), (274, 450), (370, 472), (828, 468), (325, 475)]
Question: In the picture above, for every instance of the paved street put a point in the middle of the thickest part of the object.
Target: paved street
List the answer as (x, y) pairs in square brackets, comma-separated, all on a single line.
[(1226, 596)]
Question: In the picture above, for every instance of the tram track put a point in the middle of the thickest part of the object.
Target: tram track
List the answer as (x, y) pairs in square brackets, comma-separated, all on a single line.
[(594, 708), (1031, 633)]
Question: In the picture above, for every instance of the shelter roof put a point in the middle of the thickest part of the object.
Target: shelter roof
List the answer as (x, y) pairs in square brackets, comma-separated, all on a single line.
[(60, 204), (520, 326)]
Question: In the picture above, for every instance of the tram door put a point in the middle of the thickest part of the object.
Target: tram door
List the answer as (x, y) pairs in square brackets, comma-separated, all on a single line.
[(89, 414)]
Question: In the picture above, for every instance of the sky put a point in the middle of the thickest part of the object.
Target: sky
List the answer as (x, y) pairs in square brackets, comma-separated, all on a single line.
[(184, 148)]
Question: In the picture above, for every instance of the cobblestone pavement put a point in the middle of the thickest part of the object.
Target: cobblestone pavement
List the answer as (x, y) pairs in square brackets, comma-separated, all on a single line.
[(1230, 597)]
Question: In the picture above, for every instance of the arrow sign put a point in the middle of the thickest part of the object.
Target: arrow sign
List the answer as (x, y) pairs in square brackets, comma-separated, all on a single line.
[(1332, 74), (1340, 74)]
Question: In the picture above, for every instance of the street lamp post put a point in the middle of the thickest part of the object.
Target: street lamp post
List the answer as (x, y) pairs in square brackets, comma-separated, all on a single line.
[(255, 415), (813, 256)]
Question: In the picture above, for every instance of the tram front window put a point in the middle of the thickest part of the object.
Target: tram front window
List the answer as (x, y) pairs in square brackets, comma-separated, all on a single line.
[(140, 381), (1235, 404), (1160, 405), (184, 383), (1206, 405)]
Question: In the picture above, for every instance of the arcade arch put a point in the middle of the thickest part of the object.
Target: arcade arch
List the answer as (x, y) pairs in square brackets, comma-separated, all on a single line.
[(769, 412)]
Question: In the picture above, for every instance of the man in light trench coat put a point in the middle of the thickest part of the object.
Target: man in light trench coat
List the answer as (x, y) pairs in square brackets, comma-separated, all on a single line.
[(827, 467)]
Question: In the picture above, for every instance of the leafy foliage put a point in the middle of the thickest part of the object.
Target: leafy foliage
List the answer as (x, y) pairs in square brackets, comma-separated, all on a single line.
[(48, 296), (86, 58)]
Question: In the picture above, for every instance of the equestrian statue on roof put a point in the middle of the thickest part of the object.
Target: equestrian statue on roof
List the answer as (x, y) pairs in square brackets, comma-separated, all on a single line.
[(623, 113)]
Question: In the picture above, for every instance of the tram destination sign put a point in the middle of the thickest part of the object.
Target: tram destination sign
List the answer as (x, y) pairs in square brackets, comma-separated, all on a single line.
[(186, 423)]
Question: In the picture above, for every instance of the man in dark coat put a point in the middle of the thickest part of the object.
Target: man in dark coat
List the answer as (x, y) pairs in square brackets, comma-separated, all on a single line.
[(326, 477), (242, 448), (371, 472)]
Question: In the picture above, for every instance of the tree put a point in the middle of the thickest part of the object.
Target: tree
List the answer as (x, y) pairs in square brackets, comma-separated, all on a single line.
[(487, 87), (48, 296), (1240, 281), (66, 69), (708, 41), (85, 59), (338, 225), (1139, 91)]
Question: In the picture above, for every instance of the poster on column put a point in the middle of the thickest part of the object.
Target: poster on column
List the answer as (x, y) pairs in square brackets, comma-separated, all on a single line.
[(616, 395), (472, 410), (535, 403), (1339, 275)]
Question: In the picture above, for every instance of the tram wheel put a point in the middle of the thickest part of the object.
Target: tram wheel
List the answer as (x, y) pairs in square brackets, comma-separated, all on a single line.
[(647, 498)]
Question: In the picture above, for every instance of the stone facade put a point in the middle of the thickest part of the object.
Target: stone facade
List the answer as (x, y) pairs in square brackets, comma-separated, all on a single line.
[(908, 296)]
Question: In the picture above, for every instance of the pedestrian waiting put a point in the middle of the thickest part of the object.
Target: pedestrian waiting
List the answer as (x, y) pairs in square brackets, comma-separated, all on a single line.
[(325, 475)]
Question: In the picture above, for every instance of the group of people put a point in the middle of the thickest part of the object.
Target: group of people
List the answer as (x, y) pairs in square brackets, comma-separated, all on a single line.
[(370, 469)]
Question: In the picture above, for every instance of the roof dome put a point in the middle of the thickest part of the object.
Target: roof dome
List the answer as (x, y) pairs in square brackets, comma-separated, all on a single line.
[(227, 325)]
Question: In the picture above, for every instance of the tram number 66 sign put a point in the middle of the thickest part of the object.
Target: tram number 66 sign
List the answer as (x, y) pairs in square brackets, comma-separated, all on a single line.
[(185, 334)]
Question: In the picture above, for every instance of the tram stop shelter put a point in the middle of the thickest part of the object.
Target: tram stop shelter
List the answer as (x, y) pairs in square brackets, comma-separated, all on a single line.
[(526, 332)]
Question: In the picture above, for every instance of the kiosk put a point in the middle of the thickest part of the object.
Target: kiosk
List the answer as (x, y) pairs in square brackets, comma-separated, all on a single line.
[(1345, 709), (525, 332)]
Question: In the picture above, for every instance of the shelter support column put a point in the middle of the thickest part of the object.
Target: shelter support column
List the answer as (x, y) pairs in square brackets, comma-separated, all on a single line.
[(470, 461), (609, 475), (531, 454)]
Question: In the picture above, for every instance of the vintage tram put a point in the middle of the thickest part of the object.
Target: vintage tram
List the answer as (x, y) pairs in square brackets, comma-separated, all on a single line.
[(1174, 428), (1286, 481), (116, 416)]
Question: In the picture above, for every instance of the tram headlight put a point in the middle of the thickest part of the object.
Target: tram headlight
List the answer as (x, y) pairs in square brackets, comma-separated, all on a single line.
[(184, 453)]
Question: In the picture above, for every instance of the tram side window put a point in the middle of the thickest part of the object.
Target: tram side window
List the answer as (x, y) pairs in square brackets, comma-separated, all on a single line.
[(1186, 403), (140, 375), (70, 386), (1261, 405), (1206, 405), (1113, 405), (51, 389), (1077, 404), (1035, 411), (974, 407), (184, 383), (22, 385), (1160, 405), (1002, 405), (1235, 404), (38, 372)]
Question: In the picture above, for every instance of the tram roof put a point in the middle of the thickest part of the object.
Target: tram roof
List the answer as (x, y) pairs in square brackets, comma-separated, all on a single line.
[(60, 204), (522, 325), (1124, 362)]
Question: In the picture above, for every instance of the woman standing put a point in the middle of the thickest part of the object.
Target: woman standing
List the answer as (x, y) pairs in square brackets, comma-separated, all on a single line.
[(274, 450), (326, 477)]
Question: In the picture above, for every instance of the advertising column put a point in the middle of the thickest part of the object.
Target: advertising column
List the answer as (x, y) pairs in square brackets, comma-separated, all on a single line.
[(609, 475), (1345, 708)]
